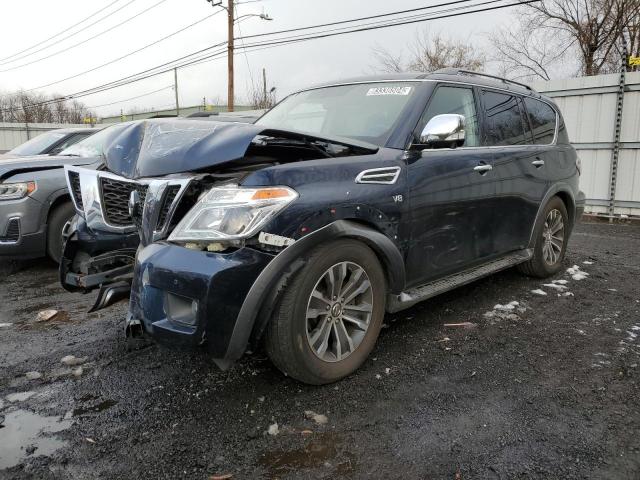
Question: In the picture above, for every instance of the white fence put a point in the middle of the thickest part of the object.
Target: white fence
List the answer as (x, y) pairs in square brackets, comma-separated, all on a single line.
[(13, 134), (589, 106)]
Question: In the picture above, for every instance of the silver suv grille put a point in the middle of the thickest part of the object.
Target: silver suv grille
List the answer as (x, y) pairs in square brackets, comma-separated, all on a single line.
[(102, 198)]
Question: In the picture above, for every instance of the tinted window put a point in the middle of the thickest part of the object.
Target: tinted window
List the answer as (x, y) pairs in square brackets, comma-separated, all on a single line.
[(504, 121), (542, 119), (454, 100)]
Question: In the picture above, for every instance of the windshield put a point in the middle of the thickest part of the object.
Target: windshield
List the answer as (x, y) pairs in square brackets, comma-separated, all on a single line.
[(367, 112), (94, 145), (39, 144)]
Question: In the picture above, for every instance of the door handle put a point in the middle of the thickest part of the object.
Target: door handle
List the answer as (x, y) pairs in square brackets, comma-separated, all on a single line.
[(538, 163), (482, 169)]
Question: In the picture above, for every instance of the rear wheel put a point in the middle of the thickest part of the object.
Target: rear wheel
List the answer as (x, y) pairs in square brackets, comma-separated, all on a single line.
[(58, 218), (330, 315), (551, 234)]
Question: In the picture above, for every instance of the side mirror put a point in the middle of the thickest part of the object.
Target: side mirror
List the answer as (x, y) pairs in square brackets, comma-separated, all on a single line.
[(443, 131)]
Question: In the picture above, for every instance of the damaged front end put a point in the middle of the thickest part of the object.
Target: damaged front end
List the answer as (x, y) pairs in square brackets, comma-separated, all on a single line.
[(185, 219)]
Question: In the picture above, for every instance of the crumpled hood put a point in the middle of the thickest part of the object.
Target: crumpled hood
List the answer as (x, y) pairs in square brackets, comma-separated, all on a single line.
[(151, 148), (14, 165)]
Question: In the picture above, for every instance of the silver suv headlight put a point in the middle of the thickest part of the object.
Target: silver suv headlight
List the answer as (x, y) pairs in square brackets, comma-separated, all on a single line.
[(231, 213), (17, 190)]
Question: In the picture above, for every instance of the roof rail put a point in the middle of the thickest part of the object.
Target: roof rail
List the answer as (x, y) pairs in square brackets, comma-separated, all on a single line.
[(460, 71)]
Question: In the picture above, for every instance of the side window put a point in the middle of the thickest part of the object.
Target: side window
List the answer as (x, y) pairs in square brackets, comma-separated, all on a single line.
[(454, 100), (504, 124), (543, 121), (75, 138)]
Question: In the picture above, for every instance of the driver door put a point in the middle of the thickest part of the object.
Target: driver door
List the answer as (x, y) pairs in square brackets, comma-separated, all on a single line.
[(451, 201)]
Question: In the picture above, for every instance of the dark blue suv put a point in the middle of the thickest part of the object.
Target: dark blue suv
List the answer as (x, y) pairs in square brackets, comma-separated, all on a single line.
[(343, 202)]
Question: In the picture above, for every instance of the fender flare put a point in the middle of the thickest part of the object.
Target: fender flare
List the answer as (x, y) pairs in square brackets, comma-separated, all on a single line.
[(556, 188), (265, 291), (51, 199)]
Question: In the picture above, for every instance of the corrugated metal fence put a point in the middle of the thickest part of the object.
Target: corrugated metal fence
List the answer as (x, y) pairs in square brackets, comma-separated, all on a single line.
[(589, 106), (13, 134)]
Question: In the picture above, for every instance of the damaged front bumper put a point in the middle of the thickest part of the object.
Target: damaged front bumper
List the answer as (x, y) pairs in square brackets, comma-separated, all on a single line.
[(188, 298), (102, 260)]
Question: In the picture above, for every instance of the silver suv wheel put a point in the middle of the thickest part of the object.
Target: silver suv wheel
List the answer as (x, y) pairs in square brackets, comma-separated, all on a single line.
[(339, 311)]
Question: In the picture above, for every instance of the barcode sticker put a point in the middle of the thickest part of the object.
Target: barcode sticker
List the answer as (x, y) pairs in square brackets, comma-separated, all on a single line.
[(389, 91)]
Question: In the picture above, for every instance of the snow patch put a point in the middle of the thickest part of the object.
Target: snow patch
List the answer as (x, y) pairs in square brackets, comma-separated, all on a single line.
[(560, 282), (576, 273), (539, 292), (555, 286), (587, 262)]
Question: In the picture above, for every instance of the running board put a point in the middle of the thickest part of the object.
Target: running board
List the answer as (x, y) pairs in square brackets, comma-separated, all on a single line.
[(407, 299)]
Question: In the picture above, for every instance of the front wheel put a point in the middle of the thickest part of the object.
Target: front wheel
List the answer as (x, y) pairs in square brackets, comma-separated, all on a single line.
[(57, 221), (551, 234), (330, 315)]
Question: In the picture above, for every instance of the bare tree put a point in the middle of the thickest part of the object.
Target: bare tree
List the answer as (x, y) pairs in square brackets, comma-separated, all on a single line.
[(27, 107), (550, 32), (429, 52), (261, 98), (522, 51)]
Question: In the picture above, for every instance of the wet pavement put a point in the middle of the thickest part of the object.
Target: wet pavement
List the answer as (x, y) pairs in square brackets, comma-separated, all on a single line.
[(538, 386)]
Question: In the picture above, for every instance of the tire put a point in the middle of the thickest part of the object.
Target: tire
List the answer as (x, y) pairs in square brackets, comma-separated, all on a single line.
[(543, 265), (57, 220), (289, 335)]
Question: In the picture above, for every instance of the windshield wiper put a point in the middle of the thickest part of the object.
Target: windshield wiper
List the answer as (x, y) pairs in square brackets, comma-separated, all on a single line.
[(318, 147)]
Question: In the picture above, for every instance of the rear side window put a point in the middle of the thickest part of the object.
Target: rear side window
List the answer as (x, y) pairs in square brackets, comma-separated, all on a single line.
[(542, 119), (504, 125), (457, 100)]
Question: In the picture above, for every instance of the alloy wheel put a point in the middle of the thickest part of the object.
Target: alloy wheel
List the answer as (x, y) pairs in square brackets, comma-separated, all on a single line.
[(553, 237), (339, 311)]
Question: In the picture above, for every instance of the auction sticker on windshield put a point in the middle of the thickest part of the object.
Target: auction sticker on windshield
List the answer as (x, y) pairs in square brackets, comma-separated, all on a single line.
[(389, 91)]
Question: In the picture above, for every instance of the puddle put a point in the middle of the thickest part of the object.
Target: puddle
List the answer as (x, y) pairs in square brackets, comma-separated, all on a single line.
[(104, 405), (322, 450), (26, 433)]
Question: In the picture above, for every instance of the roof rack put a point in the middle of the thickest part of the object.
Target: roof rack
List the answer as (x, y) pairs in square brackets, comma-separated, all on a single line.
[(459, 71)]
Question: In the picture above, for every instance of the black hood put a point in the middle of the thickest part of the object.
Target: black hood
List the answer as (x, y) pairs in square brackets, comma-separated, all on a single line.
[(13, 166), (151, 148)]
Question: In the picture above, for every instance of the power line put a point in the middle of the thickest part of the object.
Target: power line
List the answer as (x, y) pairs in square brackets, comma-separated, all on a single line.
[(70, 35), (241, 38), (126, 55), (132, 98), (59, 33), (269, 44), (87, 39), (330, 24)]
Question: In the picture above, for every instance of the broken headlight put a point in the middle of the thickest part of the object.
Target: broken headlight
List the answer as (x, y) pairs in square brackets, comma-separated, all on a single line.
[(15, 191), (232, 213)]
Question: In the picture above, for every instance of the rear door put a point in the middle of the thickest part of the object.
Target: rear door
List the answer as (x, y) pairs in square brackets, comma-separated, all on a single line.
[(518, 187), (451, 216)]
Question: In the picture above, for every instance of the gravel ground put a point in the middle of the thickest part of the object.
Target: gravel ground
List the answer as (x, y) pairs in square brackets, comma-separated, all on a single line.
[(544, 389)]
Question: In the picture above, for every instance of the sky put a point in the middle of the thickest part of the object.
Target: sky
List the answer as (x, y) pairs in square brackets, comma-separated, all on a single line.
[(288, 68)]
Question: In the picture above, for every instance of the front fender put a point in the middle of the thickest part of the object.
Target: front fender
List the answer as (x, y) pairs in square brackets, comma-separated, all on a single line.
[(265, 291)]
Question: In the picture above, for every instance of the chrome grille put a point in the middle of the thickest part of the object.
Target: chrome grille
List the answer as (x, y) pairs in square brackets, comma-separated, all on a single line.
[(169, 197), (115, 200), (74, 181)]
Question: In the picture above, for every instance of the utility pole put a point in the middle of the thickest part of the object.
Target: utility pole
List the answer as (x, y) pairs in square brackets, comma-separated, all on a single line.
[(264, 88), (231, 21), (175, 87)]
